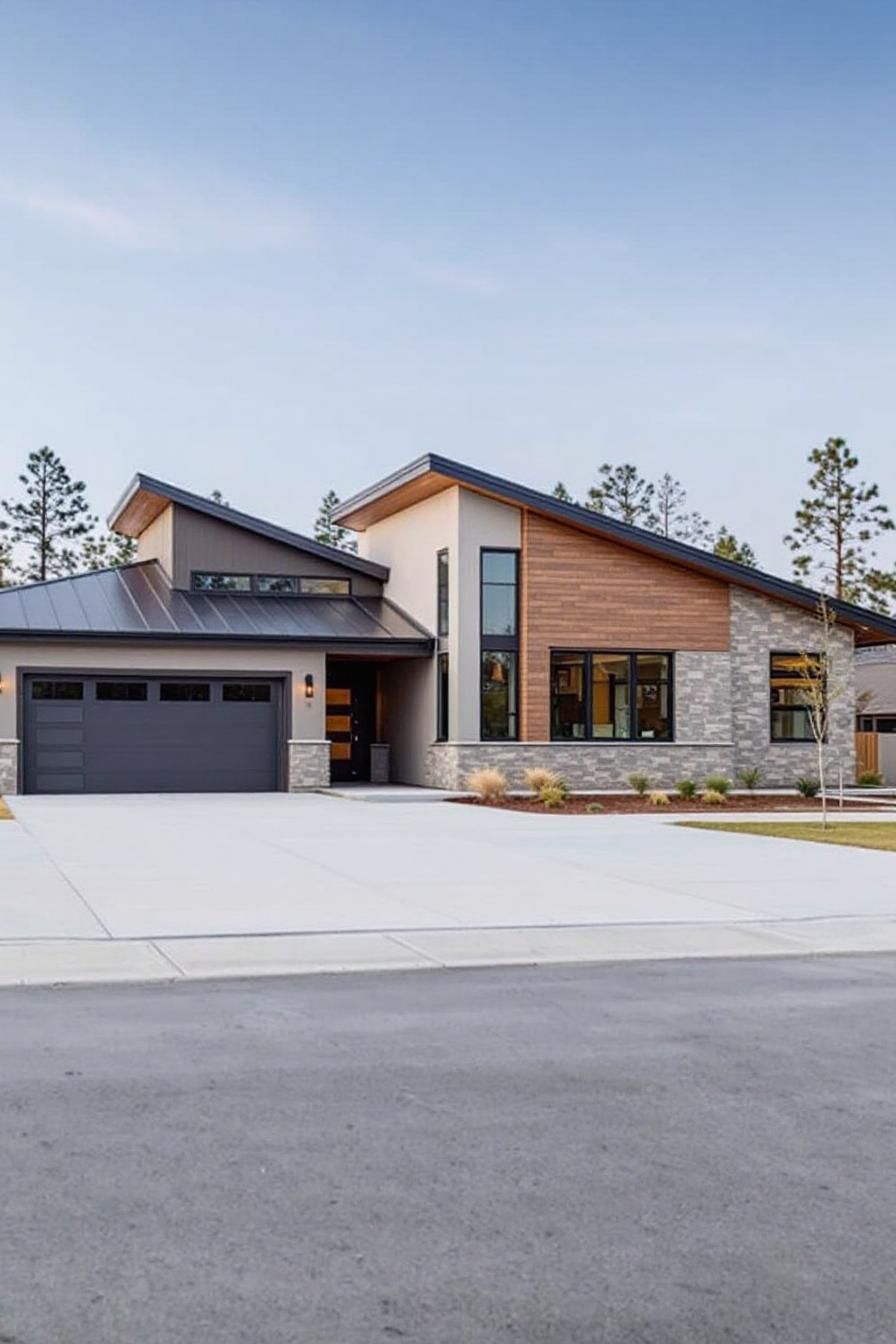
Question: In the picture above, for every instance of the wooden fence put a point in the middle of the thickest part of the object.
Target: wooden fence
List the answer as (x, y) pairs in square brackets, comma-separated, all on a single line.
[(867, 753)]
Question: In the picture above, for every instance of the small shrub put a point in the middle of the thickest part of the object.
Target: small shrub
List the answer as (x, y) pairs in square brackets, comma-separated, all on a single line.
[(870, 779), (640, 783), (556, 785), (686, 788), (538, 777), (658, 798), (489, 785), (751, 778), (595, 807), (717, 784), (807, 786), (714, 797), (553, 795)]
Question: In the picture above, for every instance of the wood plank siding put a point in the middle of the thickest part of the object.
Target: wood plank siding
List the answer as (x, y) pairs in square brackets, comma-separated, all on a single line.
[(581, 591)]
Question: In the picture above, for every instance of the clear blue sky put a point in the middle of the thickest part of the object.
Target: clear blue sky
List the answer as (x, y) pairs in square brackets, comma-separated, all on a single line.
[(273, 247)]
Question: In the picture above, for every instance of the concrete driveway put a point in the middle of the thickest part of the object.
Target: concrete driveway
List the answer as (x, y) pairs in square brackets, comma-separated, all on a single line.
[(162, 866)]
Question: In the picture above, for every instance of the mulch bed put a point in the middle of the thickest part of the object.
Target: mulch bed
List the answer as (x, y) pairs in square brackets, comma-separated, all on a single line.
[(632, 802)]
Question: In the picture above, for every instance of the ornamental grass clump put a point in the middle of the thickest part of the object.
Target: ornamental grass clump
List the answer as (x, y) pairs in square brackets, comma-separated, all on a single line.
[(870, 779), (714, 798), (717, 784), (807, 786), (537, 777), (640, 784), (658, 798), (489, 785), (686, 788), (750, 778), (553, 795)]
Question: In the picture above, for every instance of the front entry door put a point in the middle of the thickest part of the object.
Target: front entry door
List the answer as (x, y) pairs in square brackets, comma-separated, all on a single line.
[(350, 718)]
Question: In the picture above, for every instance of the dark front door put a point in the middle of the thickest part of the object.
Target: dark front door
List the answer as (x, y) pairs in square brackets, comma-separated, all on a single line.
[(351, 692)]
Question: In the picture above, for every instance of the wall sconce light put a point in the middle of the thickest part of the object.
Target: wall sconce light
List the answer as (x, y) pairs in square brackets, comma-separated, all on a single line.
[(309, 686)]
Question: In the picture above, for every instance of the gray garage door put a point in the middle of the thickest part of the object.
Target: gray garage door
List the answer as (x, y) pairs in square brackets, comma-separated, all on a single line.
[(150, 734)]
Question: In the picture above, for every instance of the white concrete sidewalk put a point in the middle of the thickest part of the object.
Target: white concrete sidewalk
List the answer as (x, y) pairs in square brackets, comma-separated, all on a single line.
[(162, 887)]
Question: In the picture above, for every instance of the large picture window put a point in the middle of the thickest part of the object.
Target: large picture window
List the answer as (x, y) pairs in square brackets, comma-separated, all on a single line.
[(794, 679), (499, 590), (606, 696)]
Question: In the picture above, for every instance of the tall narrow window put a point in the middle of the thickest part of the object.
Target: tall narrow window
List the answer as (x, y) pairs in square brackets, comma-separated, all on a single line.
[(499, 646), (442, 698), (499, 587), (499, 695), (442, 591)]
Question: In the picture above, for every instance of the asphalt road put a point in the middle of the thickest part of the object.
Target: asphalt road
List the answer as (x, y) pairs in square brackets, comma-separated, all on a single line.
[(647, 1154)]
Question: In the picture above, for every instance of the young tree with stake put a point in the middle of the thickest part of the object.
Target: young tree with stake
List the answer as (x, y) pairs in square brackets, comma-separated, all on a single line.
[(821, 683)]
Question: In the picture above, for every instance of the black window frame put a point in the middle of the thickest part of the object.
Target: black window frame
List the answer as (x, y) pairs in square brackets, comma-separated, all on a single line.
[(774, 709), (443, 695), (443, 594), (506, 645), (200, 691), (130, 692), (588, 654), (255, 591), (73, 688), (237, 692)]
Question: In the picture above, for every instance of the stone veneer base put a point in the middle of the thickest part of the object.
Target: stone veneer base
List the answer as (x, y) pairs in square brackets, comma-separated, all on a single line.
[(583, 765), (9, 767), (309, 765)]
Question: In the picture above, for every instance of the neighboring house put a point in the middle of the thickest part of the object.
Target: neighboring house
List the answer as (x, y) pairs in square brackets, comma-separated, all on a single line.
[(876, 689), (481, 623)]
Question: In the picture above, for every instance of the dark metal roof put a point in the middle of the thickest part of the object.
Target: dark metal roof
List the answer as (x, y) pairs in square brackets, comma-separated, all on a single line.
[(137, 602), (235, 518), (627, 534)]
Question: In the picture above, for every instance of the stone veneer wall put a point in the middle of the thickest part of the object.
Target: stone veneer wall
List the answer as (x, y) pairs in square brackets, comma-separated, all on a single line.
[(309, 765), (9, 767), (759, 627)]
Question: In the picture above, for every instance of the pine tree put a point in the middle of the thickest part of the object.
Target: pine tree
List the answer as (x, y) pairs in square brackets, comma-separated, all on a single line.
[(54, 512), (671, 517), (560, 492), (727, 547), (834, 525), (329, 532), (622, 493), (107, 552), (217, 498), (7, 575)]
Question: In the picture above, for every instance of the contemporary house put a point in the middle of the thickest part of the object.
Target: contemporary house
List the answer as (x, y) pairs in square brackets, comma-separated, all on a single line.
[(480, 623)]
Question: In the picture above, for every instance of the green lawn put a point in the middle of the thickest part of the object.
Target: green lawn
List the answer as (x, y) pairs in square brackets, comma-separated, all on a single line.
[(861, 834)]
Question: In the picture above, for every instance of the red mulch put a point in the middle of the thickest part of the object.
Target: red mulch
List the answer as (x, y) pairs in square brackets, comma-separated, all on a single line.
[(632, 802)]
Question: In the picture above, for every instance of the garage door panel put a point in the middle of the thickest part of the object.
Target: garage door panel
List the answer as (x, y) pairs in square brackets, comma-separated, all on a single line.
[(151, 744)]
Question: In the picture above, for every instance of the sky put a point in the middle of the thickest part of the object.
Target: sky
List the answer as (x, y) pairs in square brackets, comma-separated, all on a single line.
[(272, 248)]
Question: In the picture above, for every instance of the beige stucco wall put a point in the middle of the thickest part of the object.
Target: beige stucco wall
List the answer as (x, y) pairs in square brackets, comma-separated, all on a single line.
[(156, 542), (304, 719), (462, 523), (183, 540), (408, 543)]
